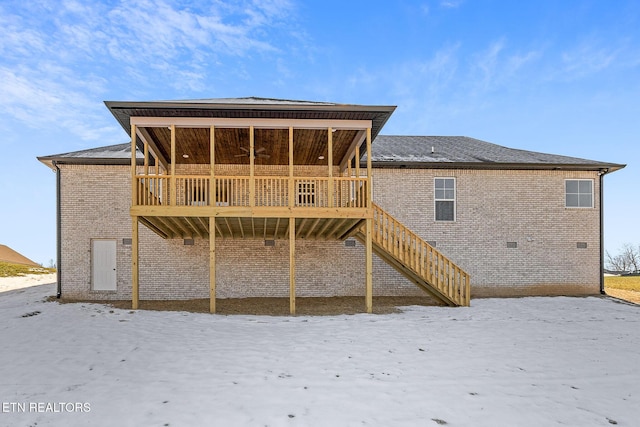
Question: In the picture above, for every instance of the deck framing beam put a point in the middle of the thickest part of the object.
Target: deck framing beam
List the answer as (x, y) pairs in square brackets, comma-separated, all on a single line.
[(256, 212)]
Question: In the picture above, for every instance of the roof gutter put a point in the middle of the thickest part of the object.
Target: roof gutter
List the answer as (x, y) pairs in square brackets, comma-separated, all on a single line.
[(58, 232), (608, 167)]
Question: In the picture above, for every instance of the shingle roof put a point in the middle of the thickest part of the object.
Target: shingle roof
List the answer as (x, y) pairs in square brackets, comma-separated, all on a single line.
[(109, 155), (248, 100), (397, 151), (462, 151)]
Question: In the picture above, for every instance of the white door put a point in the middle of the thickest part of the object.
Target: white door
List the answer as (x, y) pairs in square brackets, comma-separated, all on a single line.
[(103, 265)]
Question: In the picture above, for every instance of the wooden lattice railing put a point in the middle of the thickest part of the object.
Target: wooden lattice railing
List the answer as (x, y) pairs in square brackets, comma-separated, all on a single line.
[(417, 260)]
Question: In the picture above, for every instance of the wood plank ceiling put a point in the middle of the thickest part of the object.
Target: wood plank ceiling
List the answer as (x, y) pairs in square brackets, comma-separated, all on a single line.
[(271, 145)]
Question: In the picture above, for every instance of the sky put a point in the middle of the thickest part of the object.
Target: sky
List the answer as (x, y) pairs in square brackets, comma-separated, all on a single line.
[(548, 76)]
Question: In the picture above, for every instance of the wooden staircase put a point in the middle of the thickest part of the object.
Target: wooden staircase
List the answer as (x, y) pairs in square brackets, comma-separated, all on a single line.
[(418, 261)]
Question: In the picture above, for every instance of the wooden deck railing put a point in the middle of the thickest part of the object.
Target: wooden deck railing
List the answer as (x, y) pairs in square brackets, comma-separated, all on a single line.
[(422, 259), (273, 191)]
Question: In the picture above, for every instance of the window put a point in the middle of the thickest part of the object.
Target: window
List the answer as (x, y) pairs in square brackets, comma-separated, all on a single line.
[(445, 199), (306, 193), (578, 193)]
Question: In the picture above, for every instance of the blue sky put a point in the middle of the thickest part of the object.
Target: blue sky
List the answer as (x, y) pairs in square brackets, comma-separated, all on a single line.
[(552, 76)]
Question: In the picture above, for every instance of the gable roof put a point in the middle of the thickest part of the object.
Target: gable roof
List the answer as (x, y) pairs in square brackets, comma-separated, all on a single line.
[(464, 152)]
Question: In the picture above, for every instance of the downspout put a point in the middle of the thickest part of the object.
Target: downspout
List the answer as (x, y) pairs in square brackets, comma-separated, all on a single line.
[(602, 173), (58, 232)]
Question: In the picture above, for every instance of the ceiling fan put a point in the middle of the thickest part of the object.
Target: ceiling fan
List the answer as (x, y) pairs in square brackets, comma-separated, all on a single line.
[(258, 153)]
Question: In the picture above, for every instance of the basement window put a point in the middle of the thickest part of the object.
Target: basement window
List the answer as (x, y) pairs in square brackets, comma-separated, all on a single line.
[(578, 193), (445, 199)]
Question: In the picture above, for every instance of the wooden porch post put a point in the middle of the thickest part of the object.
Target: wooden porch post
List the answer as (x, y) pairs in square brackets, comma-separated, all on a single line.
[(134, 183), (134, 224), (292, 231), (252, 178), (212, 265), (173, 165), (212, 224), (292, 265), (330, 162), (292, 189), (146, 158), (369, 230), (135, 288), (212, 165)]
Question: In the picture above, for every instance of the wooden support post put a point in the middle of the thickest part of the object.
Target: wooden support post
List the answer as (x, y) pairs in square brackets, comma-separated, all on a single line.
[(134, 224), (369, 231), (369, 266), (212, 265), (146, 158), (134, 183), (369, 171), (330, 163), (292, 194), (212, 153), (135, 272), (292, 265), (252, 178), (173, 166)]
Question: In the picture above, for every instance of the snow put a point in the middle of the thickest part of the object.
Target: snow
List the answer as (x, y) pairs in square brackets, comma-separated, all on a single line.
[(501, 362), (10, 283)]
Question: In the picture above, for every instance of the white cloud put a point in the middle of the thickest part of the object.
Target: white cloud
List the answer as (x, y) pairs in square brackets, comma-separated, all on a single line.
[(51, 55), (451, 4), (587, 58)]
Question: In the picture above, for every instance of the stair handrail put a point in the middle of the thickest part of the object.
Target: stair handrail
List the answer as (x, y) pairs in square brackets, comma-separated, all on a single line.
[(418, 255)]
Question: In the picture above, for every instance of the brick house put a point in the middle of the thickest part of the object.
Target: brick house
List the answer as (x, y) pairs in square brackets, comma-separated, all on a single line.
[(242, 197)]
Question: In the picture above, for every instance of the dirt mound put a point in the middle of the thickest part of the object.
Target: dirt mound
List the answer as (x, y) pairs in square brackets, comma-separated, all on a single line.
[(9, 255)]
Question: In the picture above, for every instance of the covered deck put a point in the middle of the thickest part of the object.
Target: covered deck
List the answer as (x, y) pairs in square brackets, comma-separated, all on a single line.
[(253, 169)]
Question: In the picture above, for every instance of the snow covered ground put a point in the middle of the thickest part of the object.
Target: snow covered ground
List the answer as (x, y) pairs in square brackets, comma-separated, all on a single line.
[(502, 362)]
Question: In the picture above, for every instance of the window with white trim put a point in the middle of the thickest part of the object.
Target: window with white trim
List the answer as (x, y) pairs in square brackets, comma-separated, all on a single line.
[(578, 193), (445, 199)]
